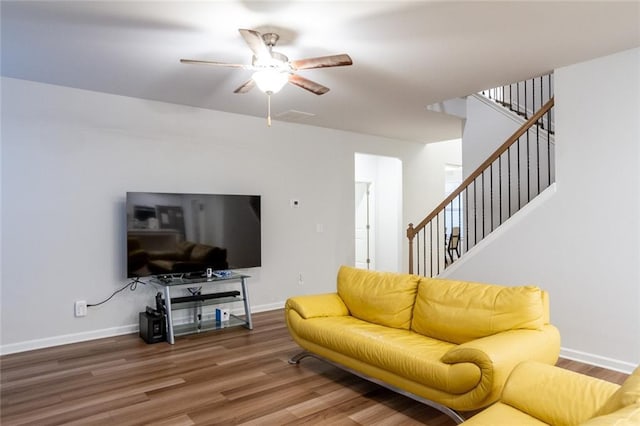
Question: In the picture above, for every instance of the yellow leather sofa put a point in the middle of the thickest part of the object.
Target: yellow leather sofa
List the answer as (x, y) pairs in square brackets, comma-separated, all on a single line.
[(538, 394), (450, 344)]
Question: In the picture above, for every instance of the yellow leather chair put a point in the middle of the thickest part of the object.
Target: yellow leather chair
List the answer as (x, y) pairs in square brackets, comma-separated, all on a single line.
[(537, 394)]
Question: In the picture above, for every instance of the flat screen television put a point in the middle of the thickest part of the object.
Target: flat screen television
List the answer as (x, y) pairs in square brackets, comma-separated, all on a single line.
[(178, 234)]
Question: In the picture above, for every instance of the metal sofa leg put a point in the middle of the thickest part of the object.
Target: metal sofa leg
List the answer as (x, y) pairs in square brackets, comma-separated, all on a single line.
[(296, 358)]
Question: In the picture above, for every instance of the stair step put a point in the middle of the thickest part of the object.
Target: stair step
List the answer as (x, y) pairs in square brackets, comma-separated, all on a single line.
[(523, 114)]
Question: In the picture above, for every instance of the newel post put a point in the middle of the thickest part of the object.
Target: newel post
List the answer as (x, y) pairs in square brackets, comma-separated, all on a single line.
[(410, 235)]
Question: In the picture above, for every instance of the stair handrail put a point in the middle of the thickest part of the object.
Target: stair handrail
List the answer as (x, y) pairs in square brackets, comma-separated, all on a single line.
[(413, 231)]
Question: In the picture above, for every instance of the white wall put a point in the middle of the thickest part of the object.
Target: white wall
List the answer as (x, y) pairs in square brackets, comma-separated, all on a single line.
[(69, 156), (583, 243), (425, 187), (484, 131)]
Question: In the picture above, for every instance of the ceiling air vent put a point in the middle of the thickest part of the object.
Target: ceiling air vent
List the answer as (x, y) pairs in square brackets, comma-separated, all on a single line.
[(294, 116)]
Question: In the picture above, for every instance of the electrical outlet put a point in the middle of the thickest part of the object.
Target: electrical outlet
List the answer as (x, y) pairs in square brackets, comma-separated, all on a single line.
[(81, 308), (300, 279)]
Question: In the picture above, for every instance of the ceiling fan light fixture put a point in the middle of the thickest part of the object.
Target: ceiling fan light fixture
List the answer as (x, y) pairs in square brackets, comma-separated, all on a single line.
[(272, 70), (270, 81)]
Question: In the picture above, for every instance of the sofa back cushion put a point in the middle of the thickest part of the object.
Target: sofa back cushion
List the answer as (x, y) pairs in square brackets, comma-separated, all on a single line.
[(460, 311), (200, 253), (382, 298), (627, 416), (183, 250)]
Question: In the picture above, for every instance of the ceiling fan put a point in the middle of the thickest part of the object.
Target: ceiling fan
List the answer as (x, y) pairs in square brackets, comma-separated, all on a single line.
[(272, 70)]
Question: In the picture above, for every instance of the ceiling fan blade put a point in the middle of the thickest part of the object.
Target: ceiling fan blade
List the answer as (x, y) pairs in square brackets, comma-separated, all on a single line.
[(307, 84), (322, 62), (218, 64), (248, 85), (256, 43)]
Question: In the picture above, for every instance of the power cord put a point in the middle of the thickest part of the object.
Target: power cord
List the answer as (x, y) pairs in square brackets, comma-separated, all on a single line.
[(131, 286)]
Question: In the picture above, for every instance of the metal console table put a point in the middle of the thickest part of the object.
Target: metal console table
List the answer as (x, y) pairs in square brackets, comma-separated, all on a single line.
[(199, 301)]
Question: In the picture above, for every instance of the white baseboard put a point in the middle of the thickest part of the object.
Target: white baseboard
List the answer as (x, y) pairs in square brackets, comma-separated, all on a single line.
[(66, 339), (268, 307), (597, 360)]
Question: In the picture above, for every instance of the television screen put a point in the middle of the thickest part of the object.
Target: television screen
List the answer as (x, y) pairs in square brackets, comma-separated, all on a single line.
[(187, 233)]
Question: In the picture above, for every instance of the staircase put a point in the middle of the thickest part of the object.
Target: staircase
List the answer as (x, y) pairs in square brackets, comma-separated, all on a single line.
[(520, 169), (525, 98)]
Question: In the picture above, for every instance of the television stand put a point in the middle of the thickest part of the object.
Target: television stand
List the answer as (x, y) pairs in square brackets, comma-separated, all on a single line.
[(199, 301)]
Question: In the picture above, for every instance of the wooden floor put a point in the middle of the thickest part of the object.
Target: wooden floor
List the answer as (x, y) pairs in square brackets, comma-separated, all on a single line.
[(227, 377)]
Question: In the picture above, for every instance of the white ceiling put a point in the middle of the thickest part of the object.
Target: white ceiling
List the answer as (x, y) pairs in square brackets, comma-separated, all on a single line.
[(406, 54)]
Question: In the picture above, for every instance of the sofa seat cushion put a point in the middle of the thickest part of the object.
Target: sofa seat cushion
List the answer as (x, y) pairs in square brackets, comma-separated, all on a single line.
[(398, 351), (161, 266), (378, 297), (460, 311), (182, 251)]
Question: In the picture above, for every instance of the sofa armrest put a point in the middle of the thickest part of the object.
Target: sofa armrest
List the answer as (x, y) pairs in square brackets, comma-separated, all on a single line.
[(317, 305), (555, 395), (498, 354), (509, 347)]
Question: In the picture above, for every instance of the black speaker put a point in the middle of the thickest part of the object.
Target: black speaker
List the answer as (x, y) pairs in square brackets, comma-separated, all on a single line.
[(153, 328)]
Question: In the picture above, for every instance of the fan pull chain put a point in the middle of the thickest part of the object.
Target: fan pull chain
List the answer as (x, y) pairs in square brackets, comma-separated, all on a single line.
[(269, 109)]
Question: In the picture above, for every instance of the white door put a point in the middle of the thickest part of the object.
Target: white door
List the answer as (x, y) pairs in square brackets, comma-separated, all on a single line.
[(364, 228)]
